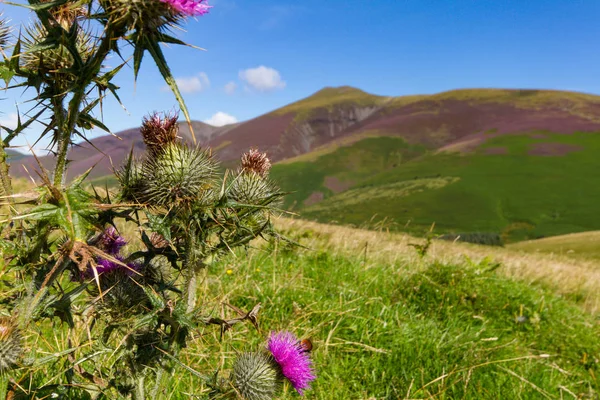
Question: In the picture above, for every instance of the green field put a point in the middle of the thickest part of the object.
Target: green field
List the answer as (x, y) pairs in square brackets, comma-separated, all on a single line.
[(517, 194)]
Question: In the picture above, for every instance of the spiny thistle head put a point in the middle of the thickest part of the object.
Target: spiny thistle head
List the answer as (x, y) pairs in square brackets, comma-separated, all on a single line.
[(4, 31), (255, 376), (66, 14), (146, 16), (293, 360), (257, 162), (122, 291), (158, 132), (179, 174), (55, 60), (251, 188), (189, 7), (10, 344)]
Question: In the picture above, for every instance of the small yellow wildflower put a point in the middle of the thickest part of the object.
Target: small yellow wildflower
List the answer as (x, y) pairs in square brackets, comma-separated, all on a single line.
[(229, 272), (257, 269)]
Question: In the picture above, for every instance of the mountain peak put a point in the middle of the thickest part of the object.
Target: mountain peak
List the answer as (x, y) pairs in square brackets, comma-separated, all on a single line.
[(337, 90)]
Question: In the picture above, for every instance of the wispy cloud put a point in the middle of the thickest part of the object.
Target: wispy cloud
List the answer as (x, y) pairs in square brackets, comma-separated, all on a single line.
[(191, 84), (9, 120), (263, 79), (230, 87)]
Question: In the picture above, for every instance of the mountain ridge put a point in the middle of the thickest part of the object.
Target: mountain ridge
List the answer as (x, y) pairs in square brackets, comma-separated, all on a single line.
[(333, 115)]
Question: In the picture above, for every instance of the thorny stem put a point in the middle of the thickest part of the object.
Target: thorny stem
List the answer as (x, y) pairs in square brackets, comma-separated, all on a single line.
[(6, 188), (90, 71), (139, 393), (192, 267), (158, 383), (4, 177), (4, 380)]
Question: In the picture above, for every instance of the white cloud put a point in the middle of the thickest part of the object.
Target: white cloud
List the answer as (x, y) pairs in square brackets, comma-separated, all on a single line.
[(230, 87), (262, 78), (9, 120), (221, 119), (191, 84)]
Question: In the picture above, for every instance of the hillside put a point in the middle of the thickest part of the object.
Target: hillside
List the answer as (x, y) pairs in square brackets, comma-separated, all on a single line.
[(111, 150), (582, 246), (459, 119), (515, 162)]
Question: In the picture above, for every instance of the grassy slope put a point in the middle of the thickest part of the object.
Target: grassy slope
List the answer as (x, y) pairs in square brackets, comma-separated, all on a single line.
[(349, 164), (519, 194), (584, 245), (407, 328), (388, 325)]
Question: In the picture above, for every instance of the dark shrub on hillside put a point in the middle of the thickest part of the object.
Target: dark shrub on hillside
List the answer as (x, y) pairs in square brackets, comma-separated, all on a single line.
[(485, 238)]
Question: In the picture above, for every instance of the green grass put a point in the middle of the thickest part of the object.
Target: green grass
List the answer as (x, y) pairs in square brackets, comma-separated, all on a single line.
[(390, 331), (382, 330), (519, 195), (348, 164)]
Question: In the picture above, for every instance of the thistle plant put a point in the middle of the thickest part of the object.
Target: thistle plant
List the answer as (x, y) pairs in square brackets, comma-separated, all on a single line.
[(126, 303)]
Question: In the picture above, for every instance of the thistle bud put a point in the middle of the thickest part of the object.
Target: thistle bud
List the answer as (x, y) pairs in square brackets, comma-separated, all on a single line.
[(53, 61), (141, 15), (257, 162), (10, 344), (255, 376), (251, 189), (159, 132), (178, 174)]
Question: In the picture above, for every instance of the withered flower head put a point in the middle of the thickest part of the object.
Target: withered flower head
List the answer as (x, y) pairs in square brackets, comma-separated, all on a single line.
[(159, 131), (158, 240), (66, 14), (257, 162)]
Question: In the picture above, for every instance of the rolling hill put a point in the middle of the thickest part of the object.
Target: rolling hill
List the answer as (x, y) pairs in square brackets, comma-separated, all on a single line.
[(516, 162)]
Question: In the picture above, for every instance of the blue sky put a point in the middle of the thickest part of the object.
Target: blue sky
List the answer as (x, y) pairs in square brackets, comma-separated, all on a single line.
[(264, 54)]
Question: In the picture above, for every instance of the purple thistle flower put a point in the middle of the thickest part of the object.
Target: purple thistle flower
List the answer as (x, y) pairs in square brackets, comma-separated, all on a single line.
[(189, 7), (106, 266), (293, 360), (112, 242)]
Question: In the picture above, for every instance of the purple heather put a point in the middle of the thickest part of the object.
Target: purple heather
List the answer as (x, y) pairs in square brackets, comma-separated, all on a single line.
[(189, 7), (293, 360)]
